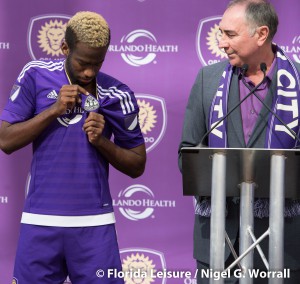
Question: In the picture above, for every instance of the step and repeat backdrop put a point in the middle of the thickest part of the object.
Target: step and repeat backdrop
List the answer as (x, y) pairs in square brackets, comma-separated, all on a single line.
[(157, 48)]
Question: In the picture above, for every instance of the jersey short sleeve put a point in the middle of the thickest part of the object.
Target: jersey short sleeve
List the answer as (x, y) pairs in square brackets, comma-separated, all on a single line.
[(21, 103), (120, 110)]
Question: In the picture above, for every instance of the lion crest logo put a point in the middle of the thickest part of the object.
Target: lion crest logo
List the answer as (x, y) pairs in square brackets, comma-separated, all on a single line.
[(147, 116), (146, 262), (142, 264), (207, 42), (45, 35), (51, 36), (152, 119)]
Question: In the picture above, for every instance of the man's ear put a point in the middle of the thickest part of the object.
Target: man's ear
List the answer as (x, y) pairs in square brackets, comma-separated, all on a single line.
[(263, 33), (65, 49)]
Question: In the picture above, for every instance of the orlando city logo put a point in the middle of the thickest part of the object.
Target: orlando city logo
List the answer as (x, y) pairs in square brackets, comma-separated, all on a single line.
[(45, 35), (207, 42), (141, 266), (152, 119)]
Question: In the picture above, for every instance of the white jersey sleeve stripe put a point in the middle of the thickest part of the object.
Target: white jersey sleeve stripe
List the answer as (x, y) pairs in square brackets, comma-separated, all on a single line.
[(51, 66), (124, 97)]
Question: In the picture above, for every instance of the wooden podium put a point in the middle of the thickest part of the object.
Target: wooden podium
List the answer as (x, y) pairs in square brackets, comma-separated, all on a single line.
[(247, 173)]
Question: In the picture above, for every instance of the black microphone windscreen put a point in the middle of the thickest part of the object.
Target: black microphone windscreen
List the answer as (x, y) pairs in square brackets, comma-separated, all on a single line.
[(263, 66), (245, 68)]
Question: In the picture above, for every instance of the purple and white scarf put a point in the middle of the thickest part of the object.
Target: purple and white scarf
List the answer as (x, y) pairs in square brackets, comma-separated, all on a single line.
[(286, 105)]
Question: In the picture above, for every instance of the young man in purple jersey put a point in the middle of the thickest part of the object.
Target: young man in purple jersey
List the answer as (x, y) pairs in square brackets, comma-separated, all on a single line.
[(69, 111)]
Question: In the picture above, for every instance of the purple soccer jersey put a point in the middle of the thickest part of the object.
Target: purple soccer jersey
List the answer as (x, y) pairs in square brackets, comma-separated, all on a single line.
[(68, 176)]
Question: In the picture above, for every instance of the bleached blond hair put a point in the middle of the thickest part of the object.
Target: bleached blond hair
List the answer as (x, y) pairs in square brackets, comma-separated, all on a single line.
[(89, 28)]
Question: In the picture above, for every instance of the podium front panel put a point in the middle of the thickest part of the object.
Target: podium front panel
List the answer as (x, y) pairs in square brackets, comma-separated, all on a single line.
[(197, 170)]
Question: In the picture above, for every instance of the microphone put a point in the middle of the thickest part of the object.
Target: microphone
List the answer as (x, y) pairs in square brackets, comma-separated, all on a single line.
[(263, 68), (244, 69)]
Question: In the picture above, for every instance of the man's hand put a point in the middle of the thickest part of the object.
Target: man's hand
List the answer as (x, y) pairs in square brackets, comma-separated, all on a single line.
[(93, 126), (68, 97)]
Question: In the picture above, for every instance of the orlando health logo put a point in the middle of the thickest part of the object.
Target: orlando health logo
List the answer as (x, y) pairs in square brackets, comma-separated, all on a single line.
[(4, 45), (140, 47), (3, 199), (45, 35), (207, 41), (293, 50), (137, 202)]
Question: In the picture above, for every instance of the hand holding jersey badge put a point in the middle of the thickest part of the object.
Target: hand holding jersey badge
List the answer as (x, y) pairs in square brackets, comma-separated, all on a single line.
[(94, 123), (71, 95)]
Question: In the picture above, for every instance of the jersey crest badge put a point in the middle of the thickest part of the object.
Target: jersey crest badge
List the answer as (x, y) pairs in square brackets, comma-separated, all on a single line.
[(89, 103)]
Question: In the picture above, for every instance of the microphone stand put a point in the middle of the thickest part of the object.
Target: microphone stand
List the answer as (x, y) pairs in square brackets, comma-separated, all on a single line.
[(244, 70), (263, 68)]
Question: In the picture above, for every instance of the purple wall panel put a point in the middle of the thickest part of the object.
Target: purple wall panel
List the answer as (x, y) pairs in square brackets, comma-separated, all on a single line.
[(169, 45)]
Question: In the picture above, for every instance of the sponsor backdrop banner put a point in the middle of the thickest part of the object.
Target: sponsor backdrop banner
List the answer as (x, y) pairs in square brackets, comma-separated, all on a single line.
[(157, 48)]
